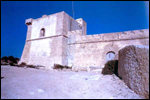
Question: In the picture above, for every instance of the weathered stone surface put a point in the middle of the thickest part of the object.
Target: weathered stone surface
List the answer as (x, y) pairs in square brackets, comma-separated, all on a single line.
[(134, 68), (94, 53)]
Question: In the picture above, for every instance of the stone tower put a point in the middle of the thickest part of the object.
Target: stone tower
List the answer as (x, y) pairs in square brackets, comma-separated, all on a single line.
[(59, 39), (46, 40)]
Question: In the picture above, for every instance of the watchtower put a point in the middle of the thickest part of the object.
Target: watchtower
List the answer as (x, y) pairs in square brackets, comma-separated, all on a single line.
[(46, 40)]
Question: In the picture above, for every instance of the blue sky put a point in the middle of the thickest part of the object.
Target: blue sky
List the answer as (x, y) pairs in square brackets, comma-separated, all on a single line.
[(100, 16)]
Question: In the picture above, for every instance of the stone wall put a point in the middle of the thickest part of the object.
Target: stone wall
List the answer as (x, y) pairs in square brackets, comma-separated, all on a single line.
[(65, 42), (133, 67), (91, 50), (127, 35)]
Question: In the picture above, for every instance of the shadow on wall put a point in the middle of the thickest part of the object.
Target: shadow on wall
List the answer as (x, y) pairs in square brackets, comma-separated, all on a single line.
[(111, 67)]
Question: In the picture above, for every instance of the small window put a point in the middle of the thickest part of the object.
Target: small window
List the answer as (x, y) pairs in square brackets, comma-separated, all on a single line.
[(110, 56), (42, 32)]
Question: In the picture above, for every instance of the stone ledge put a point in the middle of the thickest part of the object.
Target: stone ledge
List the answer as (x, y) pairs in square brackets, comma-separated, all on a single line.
[(46, 37)]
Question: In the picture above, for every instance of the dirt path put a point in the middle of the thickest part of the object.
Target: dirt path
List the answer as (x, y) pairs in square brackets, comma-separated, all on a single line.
[(29, 83)]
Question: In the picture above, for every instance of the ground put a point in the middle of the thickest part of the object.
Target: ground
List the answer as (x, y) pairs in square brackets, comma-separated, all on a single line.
[(29, 83)]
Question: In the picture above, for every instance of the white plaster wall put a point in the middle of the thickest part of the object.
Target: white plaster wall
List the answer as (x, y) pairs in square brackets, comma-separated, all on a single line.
[(41, 48), (74, 24), (70, 24), (45, 52), (49, 23), (39, 52)]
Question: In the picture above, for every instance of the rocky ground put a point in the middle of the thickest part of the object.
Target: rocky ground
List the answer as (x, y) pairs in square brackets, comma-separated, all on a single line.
[(29, 83)]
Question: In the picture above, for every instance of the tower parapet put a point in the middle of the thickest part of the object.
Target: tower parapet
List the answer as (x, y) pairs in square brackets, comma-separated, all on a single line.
[(126, 35)]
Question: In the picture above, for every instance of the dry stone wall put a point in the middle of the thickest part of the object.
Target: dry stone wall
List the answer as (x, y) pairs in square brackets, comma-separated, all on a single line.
[(134, 68)]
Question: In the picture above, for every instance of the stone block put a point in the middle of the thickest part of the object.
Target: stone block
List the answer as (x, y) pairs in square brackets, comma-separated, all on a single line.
[(133, 68)]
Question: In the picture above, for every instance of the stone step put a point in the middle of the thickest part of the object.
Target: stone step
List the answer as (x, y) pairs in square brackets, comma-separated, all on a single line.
[(96, 70)]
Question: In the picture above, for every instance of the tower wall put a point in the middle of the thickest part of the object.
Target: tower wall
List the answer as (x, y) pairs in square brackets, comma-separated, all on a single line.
[(51, 48)]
